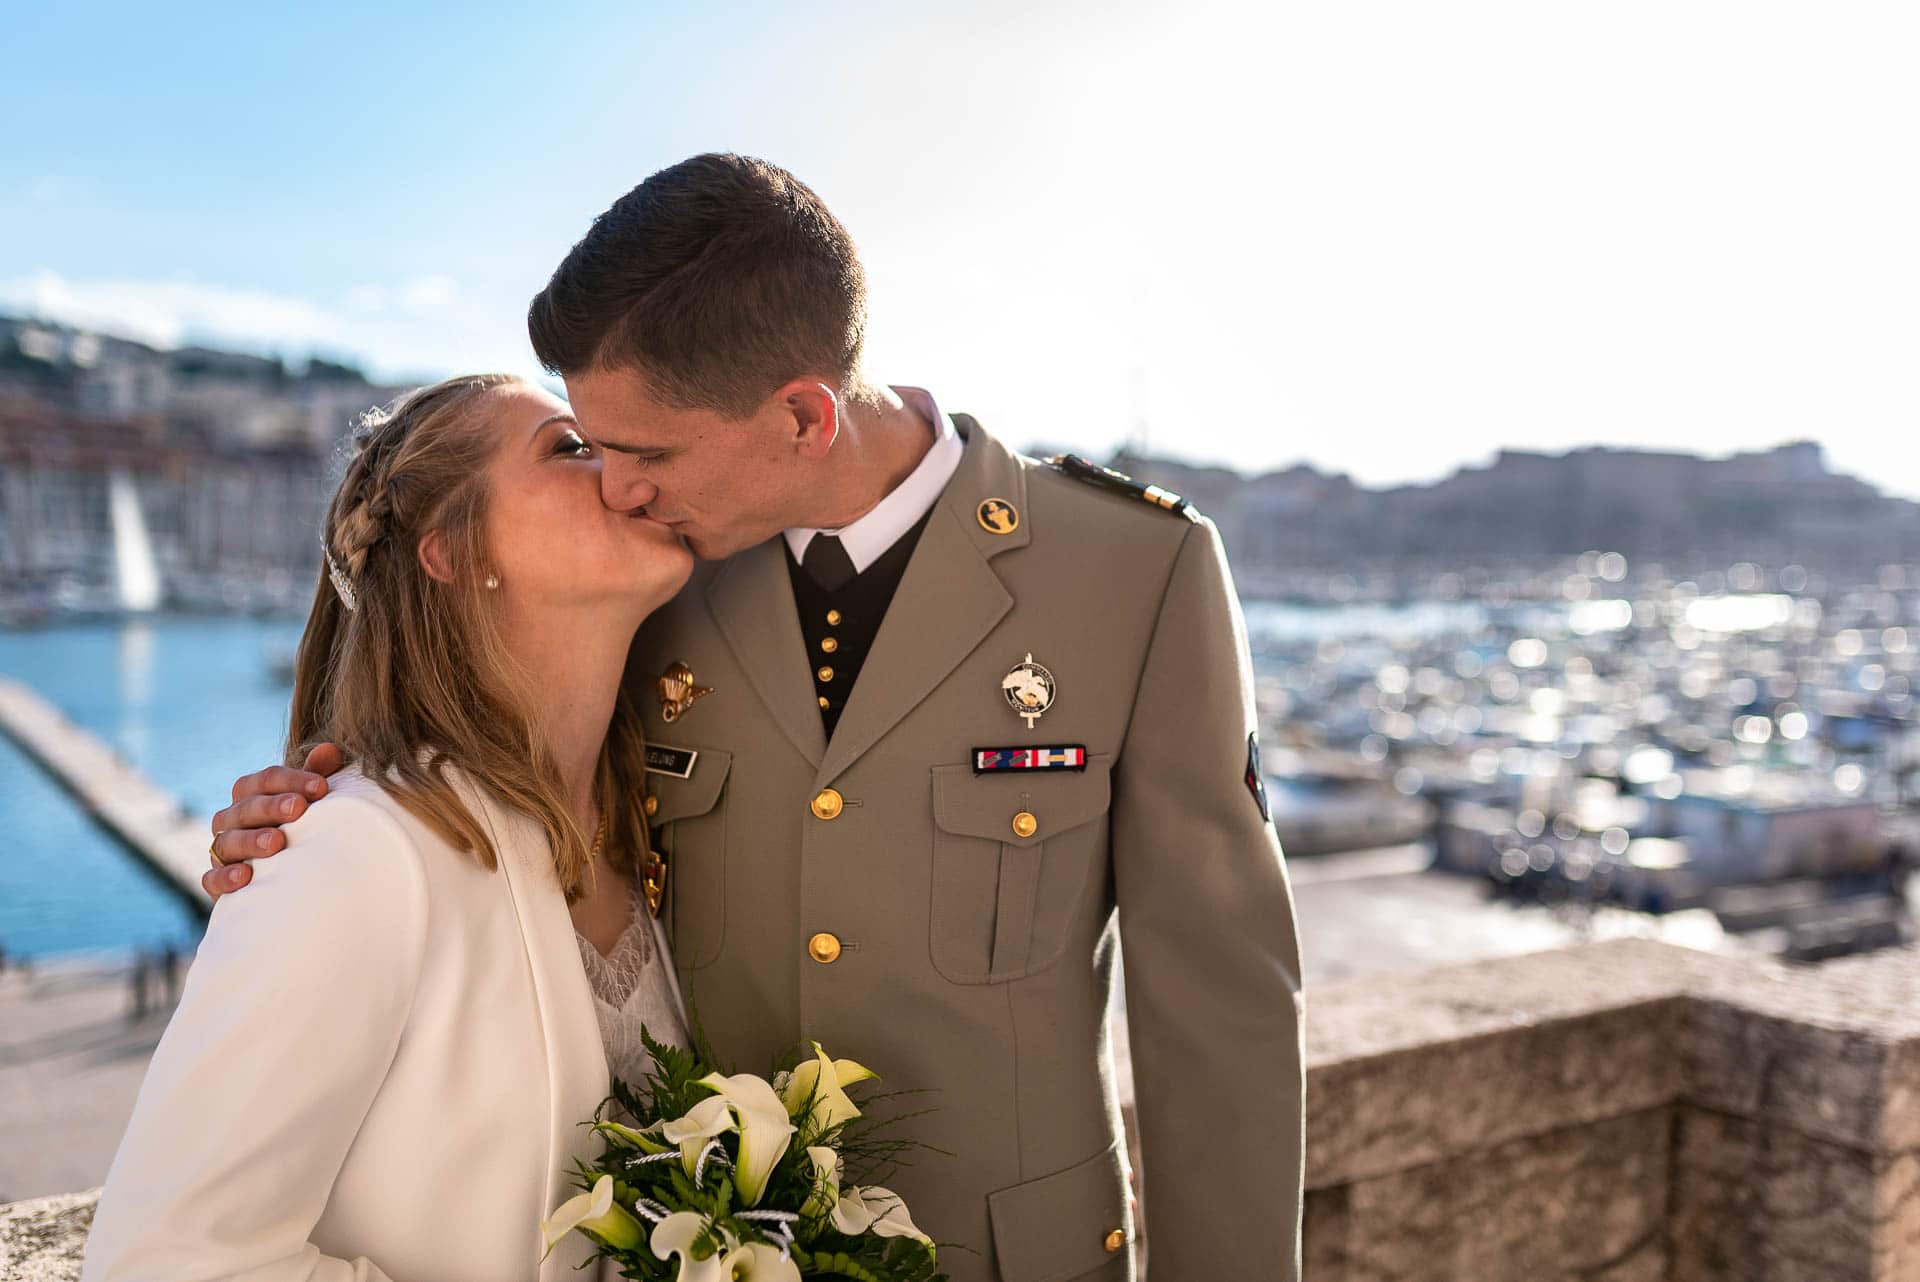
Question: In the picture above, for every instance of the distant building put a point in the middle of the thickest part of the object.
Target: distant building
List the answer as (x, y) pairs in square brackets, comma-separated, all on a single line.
[(228, 455)]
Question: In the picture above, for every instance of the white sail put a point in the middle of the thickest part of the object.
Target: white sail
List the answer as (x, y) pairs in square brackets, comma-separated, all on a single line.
[(136, 573)]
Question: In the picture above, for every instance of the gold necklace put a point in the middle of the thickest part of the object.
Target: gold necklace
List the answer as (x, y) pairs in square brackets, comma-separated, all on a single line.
[(599, 838)]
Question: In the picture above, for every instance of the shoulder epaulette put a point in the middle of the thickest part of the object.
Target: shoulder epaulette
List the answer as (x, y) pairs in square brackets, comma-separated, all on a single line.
[(1120, 483)]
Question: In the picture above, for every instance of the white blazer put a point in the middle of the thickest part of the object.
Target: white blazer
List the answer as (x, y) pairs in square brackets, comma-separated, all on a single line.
[(377, 1070)]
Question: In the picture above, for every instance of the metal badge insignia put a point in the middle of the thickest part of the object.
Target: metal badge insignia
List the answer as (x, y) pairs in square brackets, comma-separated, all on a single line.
[(653, 880), (997, 516), (1029, 689), (678, 692)]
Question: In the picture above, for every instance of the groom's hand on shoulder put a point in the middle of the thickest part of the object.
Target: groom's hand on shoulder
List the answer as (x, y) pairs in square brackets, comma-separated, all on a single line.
[(262, 801)]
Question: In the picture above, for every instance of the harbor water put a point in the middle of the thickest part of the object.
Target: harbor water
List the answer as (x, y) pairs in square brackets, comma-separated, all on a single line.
[(192, 701)]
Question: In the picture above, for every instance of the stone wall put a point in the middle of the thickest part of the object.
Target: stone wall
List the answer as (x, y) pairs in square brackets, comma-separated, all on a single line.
[(1619, 1112)]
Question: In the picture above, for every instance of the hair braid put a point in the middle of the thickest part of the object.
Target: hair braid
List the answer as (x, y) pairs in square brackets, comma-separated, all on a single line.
[(364, 502)]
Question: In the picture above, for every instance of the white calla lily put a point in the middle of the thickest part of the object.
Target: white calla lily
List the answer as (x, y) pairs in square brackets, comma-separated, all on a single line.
[(639, 1139), (676, 1234), (826, 1182), (878, 1211), (758, 1262), (824, 1081), (765, 1129), (592, 1212), (734, 1261), (708, 1118)]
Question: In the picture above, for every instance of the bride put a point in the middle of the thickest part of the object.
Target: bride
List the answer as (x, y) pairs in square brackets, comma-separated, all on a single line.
[(382, 1055)]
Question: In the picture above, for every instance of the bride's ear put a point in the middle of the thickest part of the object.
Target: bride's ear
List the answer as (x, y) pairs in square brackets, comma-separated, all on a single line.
[(433, 556)]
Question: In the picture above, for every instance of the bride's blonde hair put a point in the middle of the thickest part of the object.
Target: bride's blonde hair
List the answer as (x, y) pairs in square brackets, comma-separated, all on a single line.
[(408, 674)]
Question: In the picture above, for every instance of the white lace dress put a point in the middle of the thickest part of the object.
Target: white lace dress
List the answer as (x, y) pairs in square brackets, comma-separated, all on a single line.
[(633, 986)]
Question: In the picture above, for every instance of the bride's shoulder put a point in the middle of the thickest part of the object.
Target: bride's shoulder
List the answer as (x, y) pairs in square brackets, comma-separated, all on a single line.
[(359, 810), (358, 816)]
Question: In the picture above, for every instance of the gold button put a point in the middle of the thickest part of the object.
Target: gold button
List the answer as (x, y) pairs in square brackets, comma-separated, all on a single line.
[(1025, 825), (823, 700), (825, 674), (829, 645), (823, 948), (833, 618), (828, 804), (651, 805), (1116, 1239)]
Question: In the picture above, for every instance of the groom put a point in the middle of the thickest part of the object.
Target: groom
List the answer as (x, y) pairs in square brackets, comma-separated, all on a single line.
[(927, 720)]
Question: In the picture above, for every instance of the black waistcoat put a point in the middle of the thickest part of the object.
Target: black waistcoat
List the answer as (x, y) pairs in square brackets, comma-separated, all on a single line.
[(840, 627)]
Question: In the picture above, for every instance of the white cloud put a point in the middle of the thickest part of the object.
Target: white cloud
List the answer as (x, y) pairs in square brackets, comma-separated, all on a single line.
[(382, 326), (48, 188), (169, 313), (426, 293)]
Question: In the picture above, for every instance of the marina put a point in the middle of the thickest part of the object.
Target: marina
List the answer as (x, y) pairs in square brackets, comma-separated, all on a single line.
[(188, 701), (1597, 735), (143, 817)]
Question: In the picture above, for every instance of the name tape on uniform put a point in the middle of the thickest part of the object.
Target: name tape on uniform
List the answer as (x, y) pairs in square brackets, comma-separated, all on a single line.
[(1072, 756), (678, 762)]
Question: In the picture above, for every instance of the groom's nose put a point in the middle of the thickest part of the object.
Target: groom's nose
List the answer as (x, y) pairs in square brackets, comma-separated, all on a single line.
[(623, 487)]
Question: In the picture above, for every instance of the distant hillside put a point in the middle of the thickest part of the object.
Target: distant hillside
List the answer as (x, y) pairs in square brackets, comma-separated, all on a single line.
[(1778, 506)]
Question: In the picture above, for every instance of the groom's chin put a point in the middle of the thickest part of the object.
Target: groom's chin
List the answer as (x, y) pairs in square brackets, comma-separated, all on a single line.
[(708, 548)]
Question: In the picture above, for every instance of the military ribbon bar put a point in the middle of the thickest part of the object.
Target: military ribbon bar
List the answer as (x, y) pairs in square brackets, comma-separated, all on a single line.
[(1057, 757)]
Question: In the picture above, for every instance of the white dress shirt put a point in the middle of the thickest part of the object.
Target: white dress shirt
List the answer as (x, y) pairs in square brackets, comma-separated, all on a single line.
[(871, 535)]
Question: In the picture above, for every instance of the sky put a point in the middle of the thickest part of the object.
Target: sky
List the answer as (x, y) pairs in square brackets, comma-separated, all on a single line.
[(1385, 239)]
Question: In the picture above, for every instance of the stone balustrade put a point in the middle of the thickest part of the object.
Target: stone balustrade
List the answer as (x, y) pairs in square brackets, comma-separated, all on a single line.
[(1617, 1112)]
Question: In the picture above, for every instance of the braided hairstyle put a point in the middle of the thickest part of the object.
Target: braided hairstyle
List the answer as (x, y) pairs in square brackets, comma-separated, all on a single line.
[(408, 673)]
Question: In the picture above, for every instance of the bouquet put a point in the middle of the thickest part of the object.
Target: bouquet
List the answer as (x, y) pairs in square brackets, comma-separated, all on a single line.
[(737, 1178)]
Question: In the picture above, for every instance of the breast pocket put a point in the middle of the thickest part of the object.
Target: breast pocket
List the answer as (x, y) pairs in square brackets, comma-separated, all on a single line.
[(690, 829), (1012, 856)]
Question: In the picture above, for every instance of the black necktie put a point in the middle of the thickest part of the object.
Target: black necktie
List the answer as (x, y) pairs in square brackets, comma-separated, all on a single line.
[(827, 563)]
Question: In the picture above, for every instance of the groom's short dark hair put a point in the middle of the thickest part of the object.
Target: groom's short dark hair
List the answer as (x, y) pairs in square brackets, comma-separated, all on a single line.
[(719, 278)]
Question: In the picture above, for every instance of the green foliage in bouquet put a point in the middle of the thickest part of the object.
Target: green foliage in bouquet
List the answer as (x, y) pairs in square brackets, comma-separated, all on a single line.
[(711, 1177)]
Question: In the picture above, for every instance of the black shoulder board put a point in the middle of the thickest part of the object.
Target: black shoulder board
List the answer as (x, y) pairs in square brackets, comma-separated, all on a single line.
[(1120, 483)]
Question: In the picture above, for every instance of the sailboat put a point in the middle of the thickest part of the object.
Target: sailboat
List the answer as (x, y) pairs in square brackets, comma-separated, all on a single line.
[(136, 572)]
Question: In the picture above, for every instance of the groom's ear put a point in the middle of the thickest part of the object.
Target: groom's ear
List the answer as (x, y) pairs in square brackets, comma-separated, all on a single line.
[(433, 556), (813, 412)]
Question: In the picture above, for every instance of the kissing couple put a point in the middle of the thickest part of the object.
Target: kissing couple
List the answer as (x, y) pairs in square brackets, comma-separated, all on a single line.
[(742, 684)]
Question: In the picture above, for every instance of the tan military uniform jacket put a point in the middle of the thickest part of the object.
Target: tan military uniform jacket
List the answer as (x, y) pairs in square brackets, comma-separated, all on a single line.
[(910, 927)]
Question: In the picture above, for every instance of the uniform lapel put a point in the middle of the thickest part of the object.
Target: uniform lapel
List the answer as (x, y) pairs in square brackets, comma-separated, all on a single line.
[(948, 601), (751, 599)]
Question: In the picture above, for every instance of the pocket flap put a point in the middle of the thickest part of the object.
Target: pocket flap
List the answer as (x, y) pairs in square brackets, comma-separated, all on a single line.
[(694, 795), (1057, 1226), (970, 805)]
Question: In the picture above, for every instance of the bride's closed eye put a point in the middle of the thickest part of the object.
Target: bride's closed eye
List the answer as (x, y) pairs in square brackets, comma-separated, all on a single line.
[(573, 443)]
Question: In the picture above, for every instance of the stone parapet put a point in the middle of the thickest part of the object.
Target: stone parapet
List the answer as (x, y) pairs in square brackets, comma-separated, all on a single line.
[(1618, 1112), (1626, 1110)]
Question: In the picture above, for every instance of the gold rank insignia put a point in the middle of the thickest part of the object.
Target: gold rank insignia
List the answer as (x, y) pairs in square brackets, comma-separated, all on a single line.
[(678, 692), (997, 516), (1120, 483), (1029, 689)]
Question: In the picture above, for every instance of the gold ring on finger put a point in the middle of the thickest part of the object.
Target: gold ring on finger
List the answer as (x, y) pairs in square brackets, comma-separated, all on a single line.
[(213, 848)]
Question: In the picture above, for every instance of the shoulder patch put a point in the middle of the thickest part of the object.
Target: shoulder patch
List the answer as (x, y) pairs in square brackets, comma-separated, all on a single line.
[(1106, 478)]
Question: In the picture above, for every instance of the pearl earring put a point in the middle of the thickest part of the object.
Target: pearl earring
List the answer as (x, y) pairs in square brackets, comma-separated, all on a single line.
[(493, 581)]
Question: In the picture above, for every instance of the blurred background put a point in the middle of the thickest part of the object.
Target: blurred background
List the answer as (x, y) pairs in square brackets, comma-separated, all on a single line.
[(1549, 371)]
